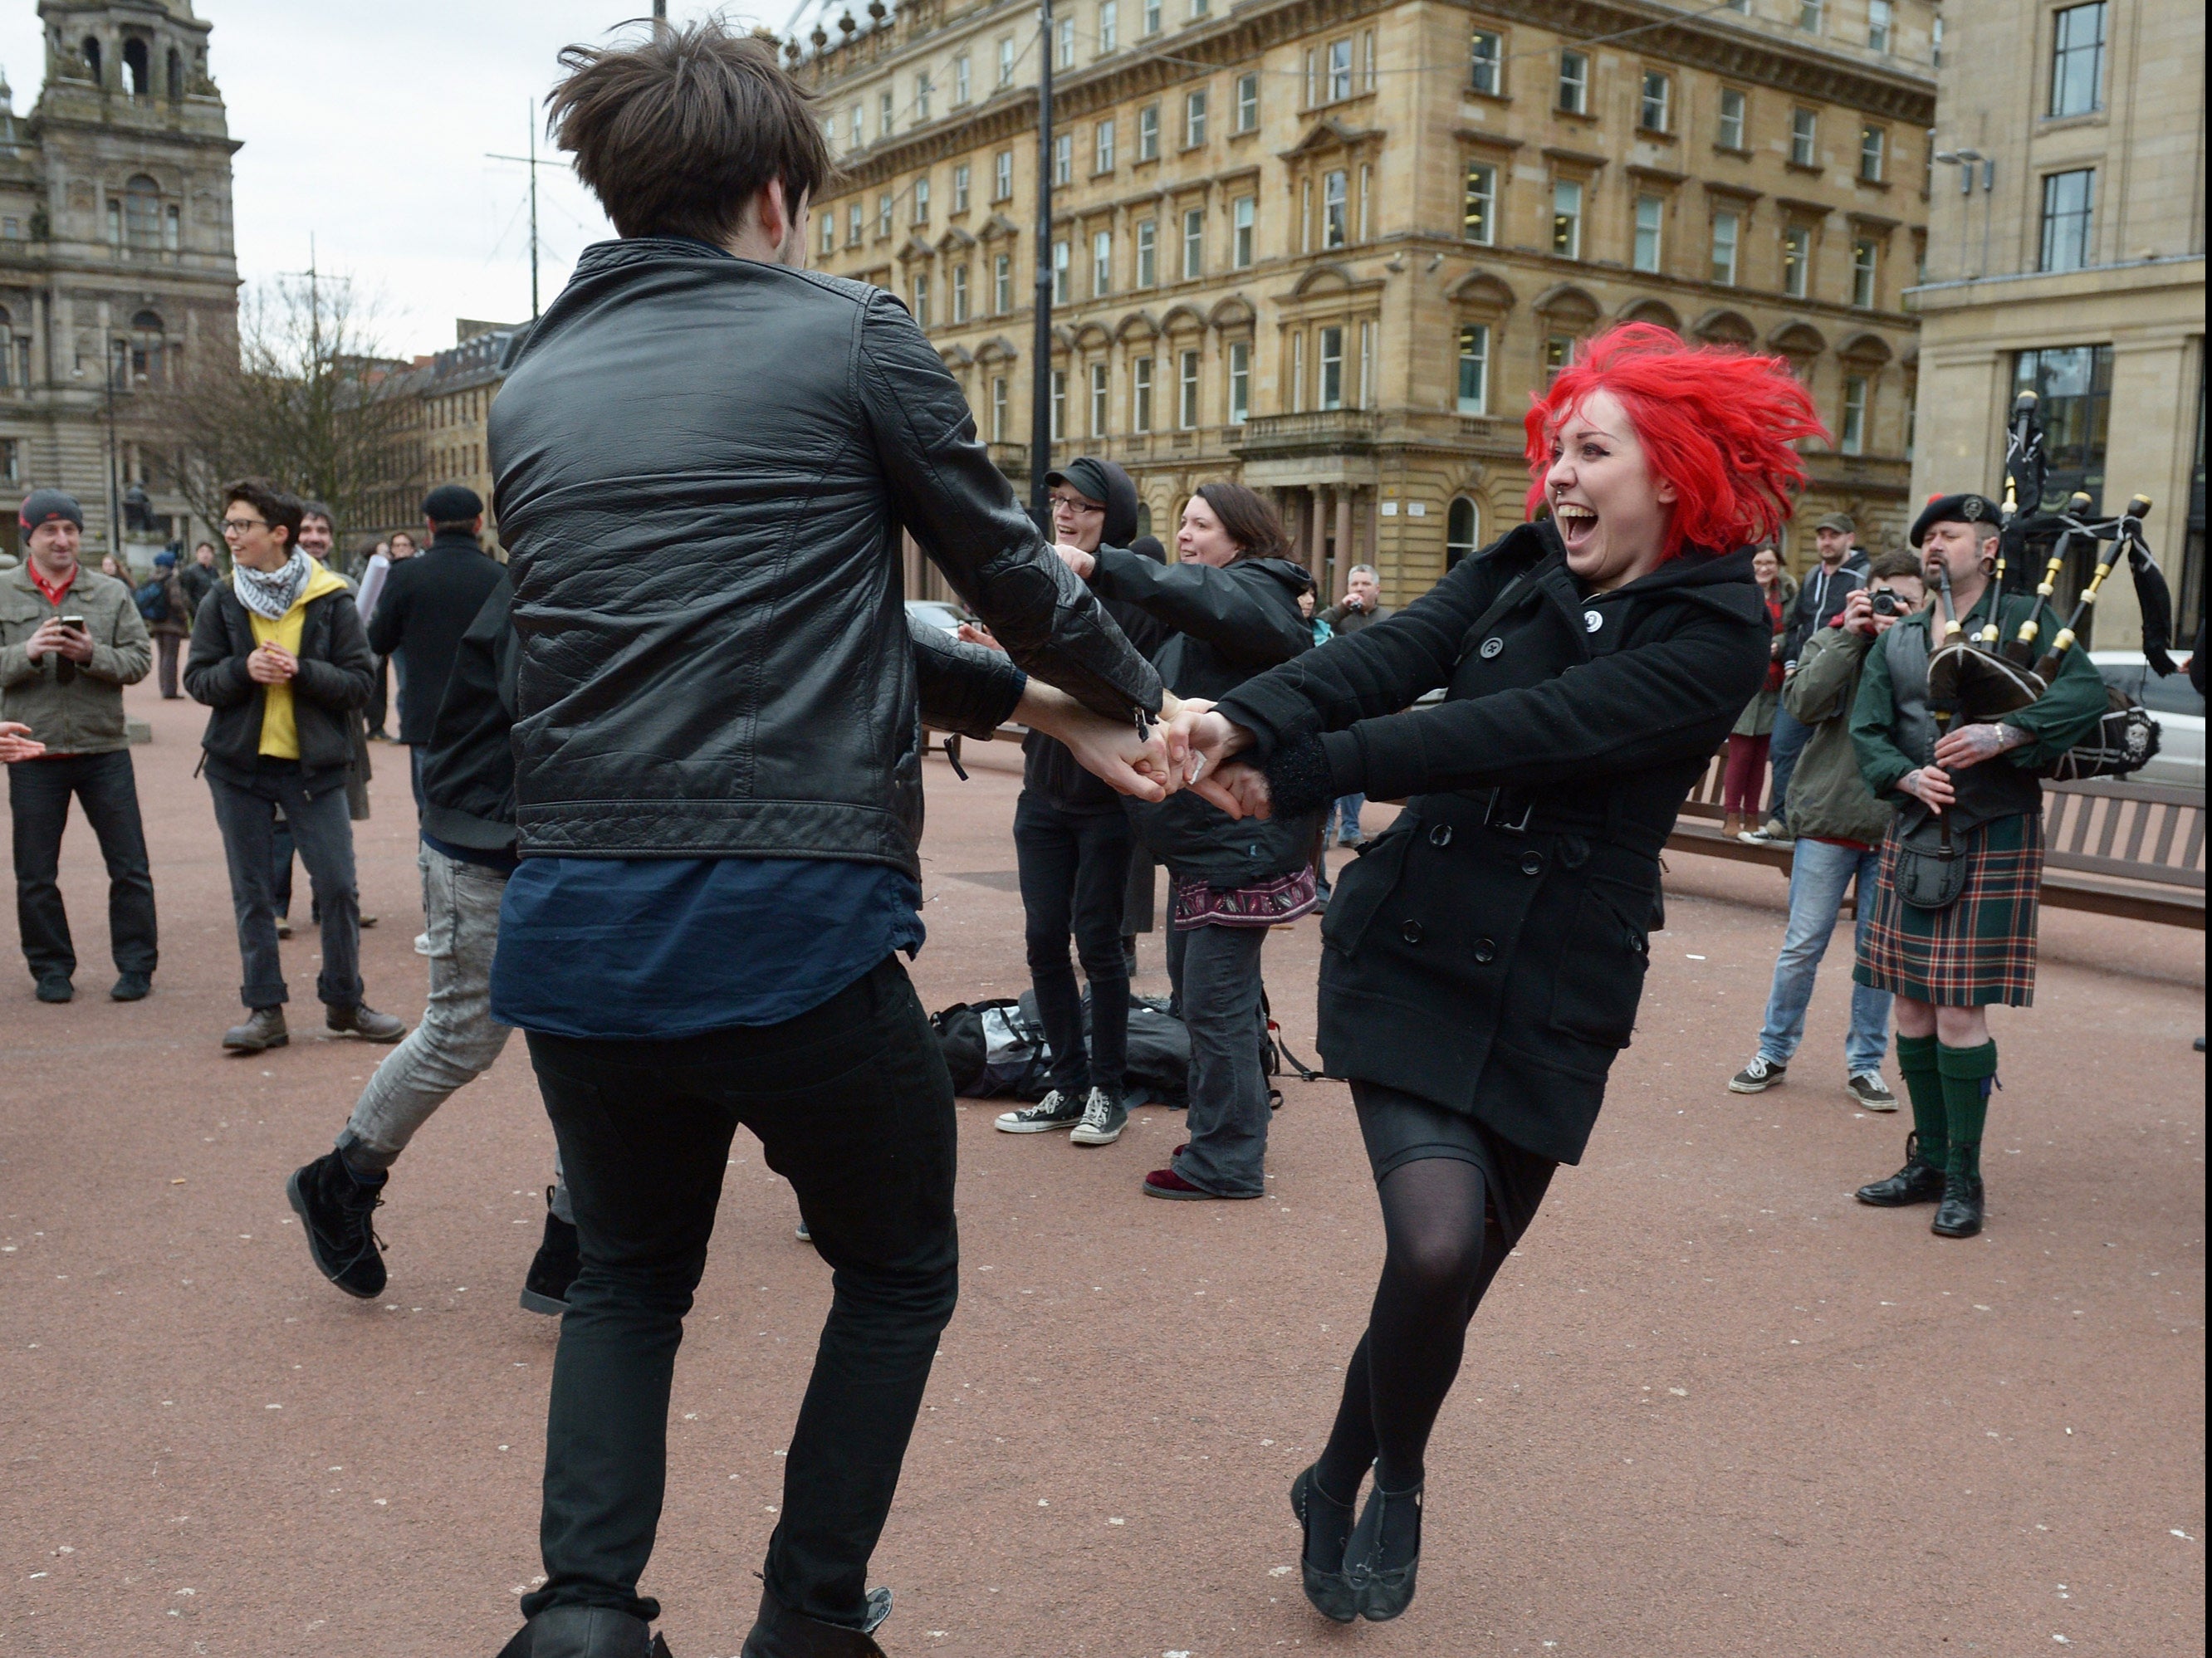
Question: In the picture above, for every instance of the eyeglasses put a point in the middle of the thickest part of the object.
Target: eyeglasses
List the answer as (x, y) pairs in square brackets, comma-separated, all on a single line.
[(239, 526), (1077, 504)]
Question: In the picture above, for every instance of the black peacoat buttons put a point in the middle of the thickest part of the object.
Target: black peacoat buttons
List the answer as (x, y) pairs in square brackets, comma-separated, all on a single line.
[(1532, 863), (1440, 835), (1411, 932), (1486, 950)]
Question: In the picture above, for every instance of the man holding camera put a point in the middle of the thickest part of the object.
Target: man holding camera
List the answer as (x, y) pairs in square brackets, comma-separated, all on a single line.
[(71, 640), (1839, 825)]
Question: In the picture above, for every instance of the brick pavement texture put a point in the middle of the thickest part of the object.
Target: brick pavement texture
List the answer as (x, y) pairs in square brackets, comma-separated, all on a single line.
[(1713, 1408)]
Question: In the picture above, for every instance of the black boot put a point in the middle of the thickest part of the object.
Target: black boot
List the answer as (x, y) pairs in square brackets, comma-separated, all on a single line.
[(1327, 1524), (335, 1211), (585, 1632), (1918, 1181), (1959, 1214), (1385, 1552), (780, 1632), (545, 1288)]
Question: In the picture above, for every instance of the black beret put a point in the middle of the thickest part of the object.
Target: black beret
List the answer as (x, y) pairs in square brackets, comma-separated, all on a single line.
[(1964, 508), (452, 503), (45, 506)]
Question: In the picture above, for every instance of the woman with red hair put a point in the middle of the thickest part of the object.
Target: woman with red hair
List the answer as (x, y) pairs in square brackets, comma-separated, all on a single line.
[(1483, 959)]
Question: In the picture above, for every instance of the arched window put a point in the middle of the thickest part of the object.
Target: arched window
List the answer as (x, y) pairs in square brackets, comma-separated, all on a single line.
[(1462, 530), (1144, 517), (92, 56), (138, 69), (141, 212)]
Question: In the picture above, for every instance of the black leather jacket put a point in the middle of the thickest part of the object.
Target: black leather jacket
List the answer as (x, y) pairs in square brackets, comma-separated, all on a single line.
[(701, 466)]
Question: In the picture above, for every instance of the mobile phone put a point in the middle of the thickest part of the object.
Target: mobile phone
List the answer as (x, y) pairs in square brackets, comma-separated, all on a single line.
[(75, 622)]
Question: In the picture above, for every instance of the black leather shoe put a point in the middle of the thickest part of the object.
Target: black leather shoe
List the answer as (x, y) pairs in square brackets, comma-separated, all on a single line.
[(1959, 1214), (133, 987), (1329, 1589), (1918, 1181), (1384, 1555), (780, 1632), (56, 987), (585, 1632)]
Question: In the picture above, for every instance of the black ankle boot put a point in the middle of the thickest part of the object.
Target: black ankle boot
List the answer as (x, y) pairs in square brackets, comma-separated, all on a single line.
[(781, 1632), (1328, 1526), (1385, 1552), (585, 1632), (1959, 1214), (545, 1287), (1918, 1181), (335, 1211)]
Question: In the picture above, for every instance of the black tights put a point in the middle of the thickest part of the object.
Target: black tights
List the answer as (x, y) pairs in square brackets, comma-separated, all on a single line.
[(1445, 1246)]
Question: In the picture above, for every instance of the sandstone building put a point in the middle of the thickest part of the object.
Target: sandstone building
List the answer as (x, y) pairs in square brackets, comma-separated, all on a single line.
[(1332, 249), (2067, 257), (116, 260)]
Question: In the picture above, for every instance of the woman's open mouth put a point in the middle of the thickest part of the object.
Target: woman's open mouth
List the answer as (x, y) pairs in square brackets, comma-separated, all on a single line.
[(1577, 524)]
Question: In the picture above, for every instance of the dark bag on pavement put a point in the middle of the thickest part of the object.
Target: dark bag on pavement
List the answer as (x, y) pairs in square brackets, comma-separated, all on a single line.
[(993, 1050)]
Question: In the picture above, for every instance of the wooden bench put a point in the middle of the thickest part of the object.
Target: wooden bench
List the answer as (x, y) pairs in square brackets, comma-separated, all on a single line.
[(2116, 848)]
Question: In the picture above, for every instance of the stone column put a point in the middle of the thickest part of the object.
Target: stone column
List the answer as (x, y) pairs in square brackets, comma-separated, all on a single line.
[(1316, 536), (1347, 555)]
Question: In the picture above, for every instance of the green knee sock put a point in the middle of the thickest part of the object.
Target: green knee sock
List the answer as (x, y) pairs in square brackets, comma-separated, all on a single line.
[(1968, 1075), (1915, 1063)]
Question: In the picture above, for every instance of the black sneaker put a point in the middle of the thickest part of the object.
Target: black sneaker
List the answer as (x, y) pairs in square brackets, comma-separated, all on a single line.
[(1761, 1074), (334, 1210), (1054, 1110), (545, 1288), (1105, 1117)]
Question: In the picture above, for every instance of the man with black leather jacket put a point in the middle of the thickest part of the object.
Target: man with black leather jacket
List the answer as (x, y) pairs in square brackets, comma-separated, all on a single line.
[(703, 458)]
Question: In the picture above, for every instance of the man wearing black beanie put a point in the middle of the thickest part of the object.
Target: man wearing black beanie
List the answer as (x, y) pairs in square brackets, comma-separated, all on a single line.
[(427, 605)]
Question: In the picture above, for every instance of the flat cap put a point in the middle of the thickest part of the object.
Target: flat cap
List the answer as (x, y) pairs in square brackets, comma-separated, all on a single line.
[(1966, 507), (452, 503), (1842, 521), (45, 506)]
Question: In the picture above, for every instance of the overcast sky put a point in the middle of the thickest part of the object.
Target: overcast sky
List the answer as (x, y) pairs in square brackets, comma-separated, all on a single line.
[(365, 127)]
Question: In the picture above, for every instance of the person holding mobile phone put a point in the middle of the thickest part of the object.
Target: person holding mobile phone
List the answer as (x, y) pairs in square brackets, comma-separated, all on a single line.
[(71, 640)]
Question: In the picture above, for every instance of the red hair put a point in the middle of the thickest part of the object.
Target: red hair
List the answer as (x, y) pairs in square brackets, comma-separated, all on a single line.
[(1719, 425)]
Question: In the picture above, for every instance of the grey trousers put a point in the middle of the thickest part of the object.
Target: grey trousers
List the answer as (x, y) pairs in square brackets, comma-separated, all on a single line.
[(1216, 972), (456, 1040), (246, 814)]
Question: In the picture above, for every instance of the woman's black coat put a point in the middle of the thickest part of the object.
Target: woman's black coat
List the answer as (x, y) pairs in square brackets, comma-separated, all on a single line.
[(1213, 628), (1487, 951)]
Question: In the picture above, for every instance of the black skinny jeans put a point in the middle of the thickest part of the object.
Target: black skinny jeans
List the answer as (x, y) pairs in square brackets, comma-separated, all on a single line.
[(853, 1105), (1074, 873), (39, 793)]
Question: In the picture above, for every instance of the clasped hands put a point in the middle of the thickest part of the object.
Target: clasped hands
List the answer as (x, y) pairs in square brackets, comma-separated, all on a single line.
[(1189, 747), (272, 664)]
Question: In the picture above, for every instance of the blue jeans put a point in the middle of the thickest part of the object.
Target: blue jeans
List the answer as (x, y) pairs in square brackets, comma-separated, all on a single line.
[(1788, 743), (1342, 820), (1819, 872)]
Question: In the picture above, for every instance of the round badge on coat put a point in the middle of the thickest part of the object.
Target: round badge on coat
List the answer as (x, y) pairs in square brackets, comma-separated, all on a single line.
[(1592, 620), (1491, 646)]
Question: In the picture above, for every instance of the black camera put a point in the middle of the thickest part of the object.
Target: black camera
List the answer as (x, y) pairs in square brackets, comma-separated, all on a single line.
[(1886, 603)]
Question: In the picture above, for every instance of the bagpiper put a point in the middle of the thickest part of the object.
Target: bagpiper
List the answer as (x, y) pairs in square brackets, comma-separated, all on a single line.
[(1954, 920)]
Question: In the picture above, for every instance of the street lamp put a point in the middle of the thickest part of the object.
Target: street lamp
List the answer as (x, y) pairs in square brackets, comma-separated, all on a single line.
[(114, 461), (1966, 160)]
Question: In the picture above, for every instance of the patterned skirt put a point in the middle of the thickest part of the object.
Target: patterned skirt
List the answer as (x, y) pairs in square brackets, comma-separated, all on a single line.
[(1982, 948)]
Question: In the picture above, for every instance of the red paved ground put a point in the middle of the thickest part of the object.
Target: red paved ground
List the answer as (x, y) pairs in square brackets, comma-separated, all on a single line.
[(1714, 1408)]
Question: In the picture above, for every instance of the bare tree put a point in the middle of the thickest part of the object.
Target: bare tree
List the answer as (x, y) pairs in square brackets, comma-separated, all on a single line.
[(310, 401)]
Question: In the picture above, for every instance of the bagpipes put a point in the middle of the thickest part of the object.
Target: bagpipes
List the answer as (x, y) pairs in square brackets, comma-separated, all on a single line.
[(1980, 678)]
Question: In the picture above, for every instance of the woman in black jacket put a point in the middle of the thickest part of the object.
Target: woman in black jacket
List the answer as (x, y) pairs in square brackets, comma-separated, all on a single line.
[(1227, 610), (1072, 842), (1483, 960)]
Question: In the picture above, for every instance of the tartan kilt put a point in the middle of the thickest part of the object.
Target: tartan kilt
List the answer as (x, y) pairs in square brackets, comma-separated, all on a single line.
[(1982, 948)]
